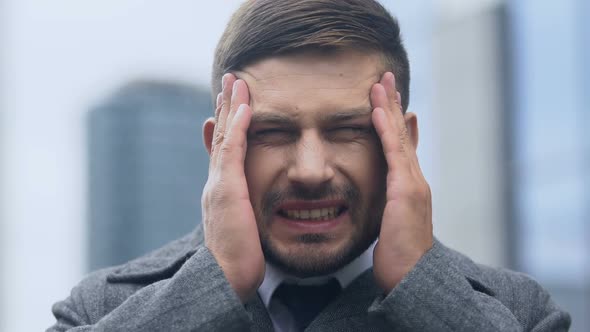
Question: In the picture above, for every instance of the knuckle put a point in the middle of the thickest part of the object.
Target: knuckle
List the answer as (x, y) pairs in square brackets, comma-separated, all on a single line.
[(403, 139), (414, 193), (216, 197), (226, 148), (427, 189), (214, 192), (403, 135), (423, 192), (219, 137), (218, 108), (417, 192), (402, 147)]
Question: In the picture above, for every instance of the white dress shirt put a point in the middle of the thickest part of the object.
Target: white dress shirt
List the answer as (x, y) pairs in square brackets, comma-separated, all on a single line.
[(273, 277)]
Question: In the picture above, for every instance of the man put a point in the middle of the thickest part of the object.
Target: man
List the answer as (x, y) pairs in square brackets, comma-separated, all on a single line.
[(316, 215)]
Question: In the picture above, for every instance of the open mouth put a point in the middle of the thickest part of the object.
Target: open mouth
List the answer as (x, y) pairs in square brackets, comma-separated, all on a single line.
[(325, 213)]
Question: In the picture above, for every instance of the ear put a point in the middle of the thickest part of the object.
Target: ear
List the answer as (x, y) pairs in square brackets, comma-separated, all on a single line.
[(208, 130), (412, 126)]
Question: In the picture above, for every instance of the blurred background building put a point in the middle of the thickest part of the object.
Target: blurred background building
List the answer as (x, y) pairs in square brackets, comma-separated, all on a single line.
[(92, 174), (147, 169), (550, 164)]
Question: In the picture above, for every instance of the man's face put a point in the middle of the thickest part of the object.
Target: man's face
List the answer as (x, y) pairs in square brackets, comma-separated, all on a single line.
[(314, 165)]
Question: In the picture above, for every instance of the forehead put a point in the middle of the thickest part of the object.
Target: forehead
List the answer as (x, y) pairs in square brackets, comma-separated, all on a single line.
[(311, 82)]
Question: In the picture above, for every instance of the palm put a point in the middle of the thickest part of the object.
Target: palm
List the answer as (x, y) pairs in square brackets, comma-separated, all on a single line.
[(231, 233), (406, 228)]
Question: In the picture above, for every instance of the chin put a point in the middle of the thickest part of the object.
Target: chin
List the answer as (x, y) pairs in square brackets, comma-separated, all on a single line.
[(313, 255)]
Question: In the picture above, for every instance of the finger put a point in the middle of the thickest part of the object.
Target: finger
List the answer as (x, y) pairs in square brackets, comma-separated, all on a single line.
[(215, 127), (240, 95), (412, 131), (379, 96), (386, 102), (223, 110), (388, 81), (212, 152), (226, 93), (393, 148), (401, 120), (396, 114), (233, 151), (218, 104), (394, 99)]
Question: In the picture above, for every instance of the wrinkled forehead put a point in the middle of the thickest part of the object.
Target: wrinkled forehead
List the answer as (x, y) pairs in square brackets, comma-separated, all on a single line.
[(311, 82)]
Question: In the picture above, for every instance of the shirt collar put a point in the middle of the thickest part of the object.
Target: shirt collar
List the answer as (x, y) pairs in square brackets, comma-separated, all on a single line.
[(273, 277)]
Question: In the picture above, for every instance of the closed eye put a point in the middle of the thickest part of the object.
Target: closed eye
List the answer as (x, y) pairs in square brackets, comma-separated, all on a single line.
[(271, 132), (272, 136), (351, 129), (348, 133)]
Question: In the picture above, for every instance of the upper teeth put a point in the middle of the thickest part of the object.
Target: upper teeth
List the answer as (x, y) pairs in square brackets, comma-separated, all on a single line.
[(325, 213)]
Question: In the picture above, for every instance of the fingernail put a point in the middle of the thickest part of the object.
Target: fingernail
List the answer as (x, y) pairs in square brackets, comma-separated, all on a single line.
[(235, 87), (223, 79)]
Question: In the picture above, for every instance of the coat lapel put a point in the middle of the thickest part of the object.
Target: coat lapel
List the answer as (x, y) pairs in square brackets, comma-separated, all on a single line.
[(350, 310), (347, 313), (260, 319)]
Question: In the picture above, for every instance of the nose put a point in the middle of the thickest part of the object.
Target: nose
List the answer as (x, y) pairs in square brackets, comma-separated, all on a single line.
[(310, 166)]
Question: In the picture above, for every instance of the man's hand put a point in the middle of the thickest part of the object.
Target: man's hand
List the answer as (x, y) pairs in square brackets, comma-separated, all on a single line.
[(231, 233), (406, 228)]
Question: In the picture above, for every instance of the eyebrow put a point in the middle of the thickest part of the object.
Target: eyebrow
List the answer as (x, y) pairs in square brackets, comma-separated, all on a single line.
[(346, 115), (271, 119), (285, 120)]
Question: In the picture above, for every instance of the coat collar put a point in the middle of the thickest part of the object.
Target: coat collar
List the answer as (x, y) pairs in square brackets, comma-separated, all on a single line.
[(164, 262), (161, 263)]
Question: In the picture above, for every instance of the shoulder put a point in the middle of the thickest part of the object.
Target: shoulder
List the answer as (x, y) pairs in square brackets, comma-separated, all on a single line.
[(527, 299), (159, 264), (500, 282), (520, 293), (104, 290)]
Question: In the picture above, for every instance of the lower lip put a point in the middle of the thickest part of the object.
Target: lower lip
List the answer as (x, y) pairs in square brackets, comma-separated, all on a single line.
[(313, 226)]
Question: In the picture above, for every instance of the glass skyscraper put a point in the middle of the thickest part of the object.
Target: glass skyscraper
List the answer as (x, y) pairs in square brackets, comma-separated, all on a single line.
[(147, 168)]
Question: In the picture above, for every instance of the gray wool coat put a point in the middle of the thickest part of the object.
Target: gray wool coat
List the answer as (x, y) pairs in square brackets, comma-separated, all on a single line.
[(180, 287)]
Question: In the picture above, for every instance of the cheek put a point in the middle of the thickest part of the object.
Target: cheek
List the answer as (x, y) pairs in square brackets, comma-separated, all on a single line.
[(363, 164), (261, 167)]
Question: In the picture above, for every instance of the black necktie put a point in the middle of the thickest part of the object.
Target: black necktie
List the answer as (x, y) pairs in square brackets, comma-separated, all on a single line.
[(306, 302)]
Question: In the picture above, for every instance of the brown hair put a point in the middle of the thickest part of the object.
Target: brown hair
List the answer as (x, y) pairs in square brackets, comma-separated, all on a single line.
[(264, 28)]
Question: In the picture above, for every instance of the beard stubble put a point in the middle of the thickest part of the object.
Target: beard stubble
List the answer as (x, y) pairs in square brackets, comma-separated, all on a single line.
[(304, 260)]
